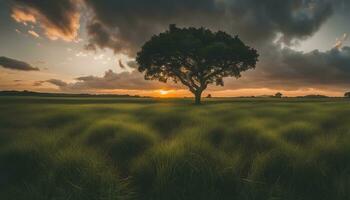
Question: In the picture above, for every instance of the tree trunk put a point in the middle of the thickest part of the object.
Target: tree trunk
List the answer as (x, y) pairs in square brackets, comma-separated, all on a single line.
[(198, 95)]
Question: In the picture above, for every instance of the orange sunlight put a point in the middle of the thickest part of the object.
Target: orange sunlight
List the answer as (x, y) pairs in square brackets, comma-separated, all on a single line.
[(163, 92)]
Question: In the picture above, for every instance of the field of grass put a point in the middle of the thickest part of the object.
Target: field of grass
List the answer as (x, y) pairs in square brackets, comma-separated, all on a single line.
[(109, 149)]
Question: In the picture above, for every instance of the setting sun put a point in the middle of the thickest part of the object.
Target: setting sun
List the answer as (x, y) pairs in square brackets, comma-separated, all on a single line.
[(163, 92)]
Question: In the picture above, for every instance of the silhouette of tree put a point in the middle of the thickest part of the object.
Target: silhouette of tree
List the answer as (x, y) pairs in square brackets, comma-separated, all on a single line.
[(196, 57), (209, 96), (278, 95), (347, 95)]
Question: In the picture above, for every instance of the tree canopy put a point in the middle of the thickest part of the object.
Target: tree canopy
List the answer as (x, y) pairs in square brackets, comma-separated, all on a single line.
[(278, 95), (347, 94), (196, 57)]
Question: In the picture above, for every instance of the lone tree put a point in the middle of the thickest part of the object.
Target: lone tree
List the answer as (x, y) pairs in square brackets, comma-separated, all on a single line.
[(347, 95), (196, 57), (278, 95)]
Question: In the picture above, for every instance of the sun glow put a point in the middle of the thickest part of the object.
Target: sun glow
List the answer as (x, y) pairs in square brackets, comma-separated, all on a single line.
[(163, 92)]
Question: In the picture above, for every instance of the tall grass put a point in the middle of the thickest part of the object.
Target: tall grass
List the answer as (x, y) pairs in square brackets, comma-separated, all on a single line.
[(132, 149)]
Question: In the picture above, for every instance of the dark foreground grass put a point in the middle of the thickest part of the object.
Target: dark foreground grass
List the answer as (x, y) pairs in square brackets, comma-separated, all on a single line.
[(109, 149)]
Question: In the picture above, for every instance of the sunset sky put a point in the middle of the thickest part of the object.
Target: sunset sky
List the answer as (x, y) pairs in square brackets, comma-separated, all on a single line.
[(89, 46)]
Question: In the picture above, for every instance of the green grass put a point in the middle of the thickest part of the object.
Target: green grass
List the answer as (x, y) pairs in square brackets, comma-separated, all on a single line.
[(110, 148)]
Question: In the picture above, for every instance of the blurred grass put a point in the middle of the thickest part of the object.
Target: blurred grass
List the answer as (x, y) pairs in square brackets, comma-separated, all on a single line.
[(110, 148)]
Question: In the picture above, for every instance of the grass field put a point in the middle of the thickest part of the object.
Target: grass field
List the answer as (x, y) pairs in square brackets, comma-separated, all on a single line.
[(109, 148)]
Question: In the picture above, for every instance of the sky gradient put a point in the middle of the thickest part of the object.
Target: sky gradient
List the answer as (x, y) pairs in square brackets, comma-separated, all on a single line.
[(89, 46)]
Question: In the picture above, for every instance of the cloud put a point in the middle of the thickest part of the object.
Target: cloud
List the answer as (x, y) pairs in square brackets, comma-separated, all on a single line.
[(22, 16), (110, 80), (340, 41), (38, 83), (57, 82), (121, 65), (13, 64), (317, 68), (103, 37), (33, 33), (291, 70), (125, 25), (81, 54), (58, 19), (131, 64)]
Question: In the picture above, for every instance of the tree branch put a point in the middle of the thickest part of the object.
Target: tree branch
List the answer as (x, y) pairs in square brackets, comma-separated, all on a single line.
[(183, 81)]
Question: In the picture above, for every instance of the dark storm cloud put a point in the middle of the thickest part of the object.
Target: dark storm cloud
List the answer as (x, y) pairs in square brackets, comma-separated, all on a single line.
[(317, 68), (128, 24), (59, 19), (13, 64), (124, 25), (290, 69), (103, 37)]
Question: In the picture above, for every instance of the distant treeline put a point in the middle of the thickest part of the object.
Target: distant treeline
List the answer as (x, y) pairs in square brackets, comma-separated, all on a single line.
[(314, 96), (274, 96), (40, 94)]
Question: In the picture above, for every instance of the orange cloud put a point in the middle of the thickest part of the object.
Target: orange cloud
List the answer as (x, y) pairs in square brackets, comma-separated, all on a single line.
[(23, 16), (70, 34), (340, 41), (33, 33), (52, 30)]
